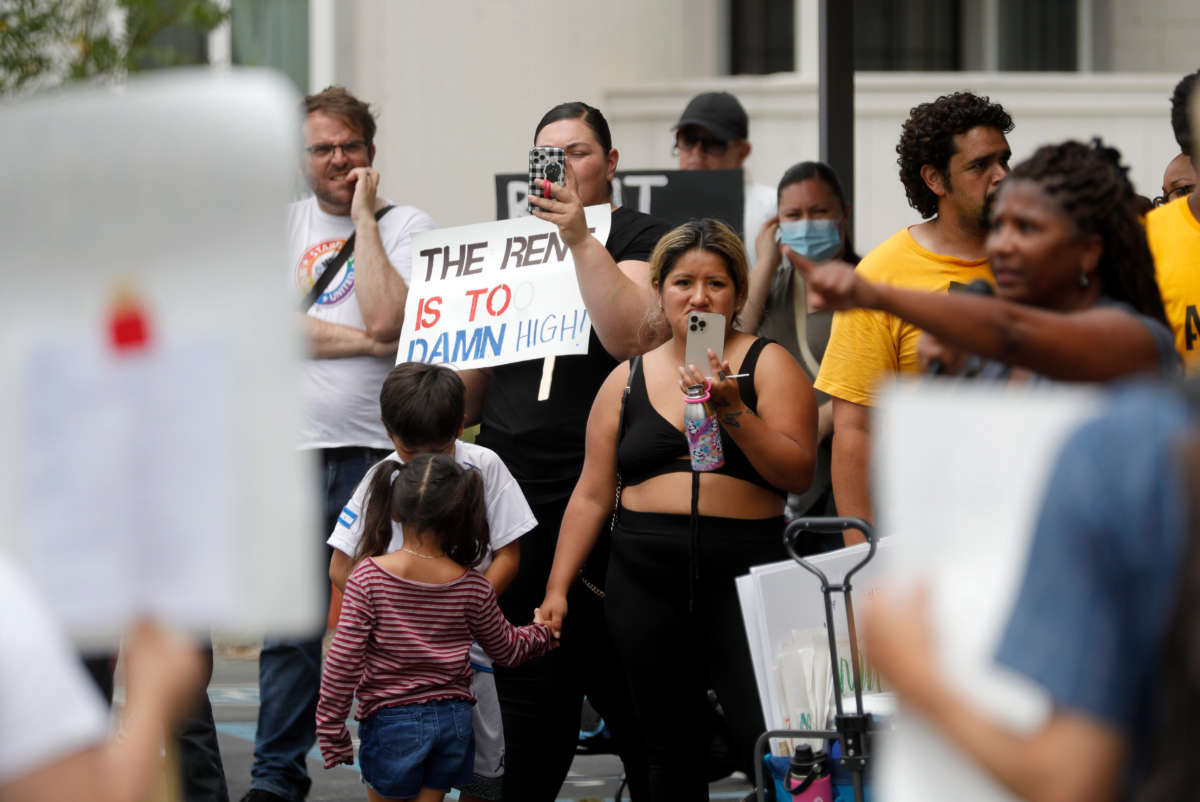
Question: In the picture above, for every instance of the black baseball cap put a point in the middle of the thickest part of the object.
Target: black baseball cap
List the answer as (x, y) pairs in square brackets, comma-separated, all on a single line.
[(719, 113)]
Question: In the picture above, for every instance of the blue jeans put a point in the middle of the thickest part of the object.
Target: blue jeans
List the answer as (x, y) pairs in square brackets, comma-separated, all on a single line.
[(289, 671), (409, 747)]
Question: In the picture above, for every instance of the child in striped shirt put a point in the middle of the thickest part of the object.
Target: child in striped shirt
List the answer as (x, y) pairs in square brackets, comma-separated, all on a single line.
[(408, 618)]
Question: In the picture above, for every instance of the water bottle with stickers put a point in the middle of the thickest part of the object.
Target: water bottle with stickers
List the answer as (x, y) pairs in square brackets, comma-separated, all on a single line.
[(808, 778), (703, 431)]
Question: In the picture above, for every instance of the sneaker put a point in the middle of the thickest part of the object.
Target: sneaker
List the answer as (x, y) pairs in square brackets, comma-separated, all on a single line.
[(259, 795)]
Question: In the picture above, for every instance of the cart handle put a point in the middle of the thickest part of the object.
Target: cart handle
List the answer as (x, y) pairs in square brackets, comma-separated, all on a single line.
[(827, 526)]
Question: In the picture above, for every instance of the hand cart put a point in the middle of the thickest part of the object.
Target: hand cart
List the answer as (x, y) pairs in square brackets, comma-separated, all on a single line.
[(851, 730)]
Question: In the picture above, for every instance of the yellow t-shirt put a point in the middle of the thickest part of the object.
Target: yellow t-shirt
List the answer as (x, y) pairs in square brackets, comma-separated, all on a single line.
[(867, 345), (1174, 237)]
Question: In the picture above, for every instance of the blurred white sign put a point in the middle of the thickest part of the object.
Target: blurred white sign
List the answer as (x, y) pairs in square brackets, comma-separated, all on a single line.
[(155, 474), (959, 474)]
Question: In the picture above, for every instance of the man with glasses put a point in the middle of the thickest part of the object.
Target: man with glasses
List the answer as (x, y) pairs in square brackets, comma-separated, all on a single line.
[(713, 134), (1173, 231), (352, 330)]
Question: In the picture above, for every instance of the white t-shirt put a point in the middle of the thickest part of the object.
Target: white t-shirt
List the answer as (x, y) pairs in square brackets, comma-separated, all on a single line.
[(49, 706), (341, 396), (759, 207), (508, 513)]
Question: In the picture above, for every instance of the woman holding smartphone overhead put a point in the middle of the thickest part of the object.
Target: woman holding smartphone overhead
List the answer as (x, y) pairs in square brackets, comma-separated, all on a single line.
[(681, 535), (534, 415)]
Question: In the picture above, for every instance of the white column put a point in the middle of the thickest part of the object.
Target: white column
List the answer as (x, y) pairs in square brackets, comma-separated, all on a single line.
[(1085, 35), (220, 41), (322, 44), (807, 36)]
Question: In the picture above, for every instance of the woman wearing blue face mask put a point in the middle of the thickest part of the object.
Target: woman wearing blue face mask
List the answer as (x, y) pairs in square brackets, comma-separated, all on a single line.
[(814, 220)]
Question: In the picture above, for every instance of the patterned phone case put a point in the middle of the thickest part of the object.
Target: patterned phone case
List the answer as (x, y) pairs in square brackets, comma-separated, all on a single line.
[(545, 162)]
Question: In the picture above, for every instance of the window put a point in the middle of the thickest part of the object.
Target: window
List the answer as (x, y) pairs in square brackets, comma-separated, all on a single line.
[(762, 36)]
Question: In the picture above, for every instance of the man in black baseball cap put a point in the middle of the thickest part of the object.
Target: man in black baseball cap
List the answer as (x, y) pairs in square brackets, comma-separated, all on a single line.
[(713, 133)]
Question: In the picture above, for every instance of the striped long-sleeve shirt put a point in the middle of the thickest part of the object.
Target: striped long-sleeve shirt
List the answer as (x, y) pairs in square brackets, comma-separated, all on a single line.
[(399, 642)]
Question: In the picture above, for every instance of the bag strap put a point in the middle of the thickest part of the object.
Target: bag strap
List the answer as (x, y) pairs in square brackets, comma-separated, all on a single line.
[(612, 521), (334, 266)]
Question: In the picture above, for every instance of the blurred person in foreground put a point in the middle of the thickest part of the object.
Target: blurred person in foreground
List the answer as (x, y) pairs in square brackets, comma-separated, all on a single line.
[(1104, 620), (1075, 298), (952, 156), (1173, 231), (814, 221), (55, 744)]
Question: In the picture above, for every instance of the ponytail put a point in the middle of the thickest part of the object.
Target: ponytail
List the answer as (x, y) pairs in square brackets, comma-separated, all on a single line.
[(434, 494), (466, 541), (377, 526)]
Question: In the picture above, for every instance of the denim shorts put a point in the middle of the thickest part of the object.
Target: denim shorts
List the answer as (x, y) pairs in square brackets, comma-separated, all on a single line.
[(406, 748)]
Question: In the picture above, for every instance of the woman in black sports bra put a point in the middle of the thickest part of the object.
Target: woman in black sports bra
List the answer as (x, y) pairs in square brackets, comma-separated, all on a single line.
[(679, 538)]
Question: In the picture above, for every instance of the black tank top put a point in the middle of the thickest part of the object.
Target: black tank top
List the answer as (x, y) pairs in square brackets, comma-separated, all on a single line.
[(650, 446)]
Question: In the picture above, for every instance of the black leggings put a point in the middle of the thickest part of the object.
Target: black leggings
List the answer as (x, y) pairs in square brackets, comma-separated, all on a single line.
[(540, 700), (672, 655)]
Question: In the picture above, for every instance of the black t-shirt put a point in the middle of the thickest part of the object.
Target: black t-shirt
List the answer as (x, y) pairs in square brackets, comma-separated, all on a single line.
[(542, 442)]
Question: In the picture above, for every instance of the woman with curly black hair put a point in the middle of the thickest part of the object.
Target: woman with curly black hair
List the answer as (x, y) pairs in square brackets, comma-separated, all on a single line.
[(1076, 294)]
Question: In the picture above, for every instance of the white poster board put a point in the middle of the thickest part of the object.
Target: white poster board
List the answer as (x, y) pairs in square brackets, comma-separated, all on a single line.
[(492, 293), (959, 474), (159, 475), (783, 598)]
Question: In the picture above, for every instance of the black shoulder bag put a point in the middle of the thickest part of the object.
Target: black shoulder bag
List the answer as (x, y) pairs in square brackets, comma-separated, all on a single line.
[(334, 266)]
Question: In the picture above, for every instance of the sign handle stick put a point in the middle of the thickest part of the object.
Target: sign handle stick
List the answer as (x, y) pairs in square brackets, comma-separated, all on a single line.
[(547, 376)]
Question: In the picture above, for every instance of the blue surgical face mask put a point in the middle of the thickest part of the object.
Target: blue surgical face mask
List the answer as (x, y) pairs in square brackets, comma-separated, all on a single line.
[(815, 239)]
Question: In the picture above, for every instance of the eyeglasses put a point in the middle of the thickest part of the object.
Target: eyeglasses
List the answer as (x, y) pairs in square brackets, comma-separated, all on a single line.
[(688, 140), (1181, 191), (351, 150)]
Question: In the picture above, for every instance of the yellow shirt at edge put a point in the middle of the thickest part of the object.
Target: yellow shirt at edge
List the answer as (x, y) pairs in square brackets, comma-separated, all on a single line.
[(1174, 237), (867, 345)]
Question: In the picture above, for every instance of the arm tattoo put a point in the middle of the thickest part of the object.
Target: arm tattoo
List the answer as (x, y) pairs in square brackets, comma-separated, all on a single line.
[(731, 418)]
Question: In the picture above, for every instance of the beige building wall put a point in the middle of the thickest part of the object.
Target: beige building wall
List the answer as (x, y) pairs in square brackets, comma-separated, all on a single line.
[(1155, 35), (460, 85)]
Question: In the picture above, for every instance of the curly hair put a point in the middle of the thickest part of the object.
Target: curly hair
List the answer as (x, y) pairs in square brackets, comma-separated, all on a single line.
[(928, 138), (1181, 123), (1092, 188)]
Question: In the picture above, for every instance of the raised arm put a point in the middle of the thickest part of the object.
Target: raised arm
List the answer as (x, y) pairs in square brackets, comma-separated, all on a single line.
[(1093, 344), (780, 439), (762, 274), (381, 292), (591, 504), (618, 297)]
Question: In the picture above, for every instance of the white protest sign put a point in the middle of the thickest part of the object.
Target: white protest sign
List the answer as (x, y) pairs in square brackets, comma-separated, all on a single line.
[(493, 293)]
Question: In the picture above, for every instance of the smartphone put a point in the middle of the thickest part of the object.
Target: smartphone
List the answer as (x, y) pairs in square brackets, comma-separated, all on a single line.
[(545, 163), (705, 330)]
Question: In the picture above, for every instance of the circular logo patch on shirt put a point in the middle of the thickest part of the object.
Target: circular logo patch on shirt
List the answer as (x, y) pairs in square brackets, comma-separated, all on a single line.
[(314, 262)]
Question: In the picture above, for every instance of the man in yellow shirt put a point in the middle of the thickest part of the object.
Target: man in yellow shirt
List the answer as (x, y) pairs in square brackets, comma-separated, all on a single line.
[(952, 156), (1173, 232)]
